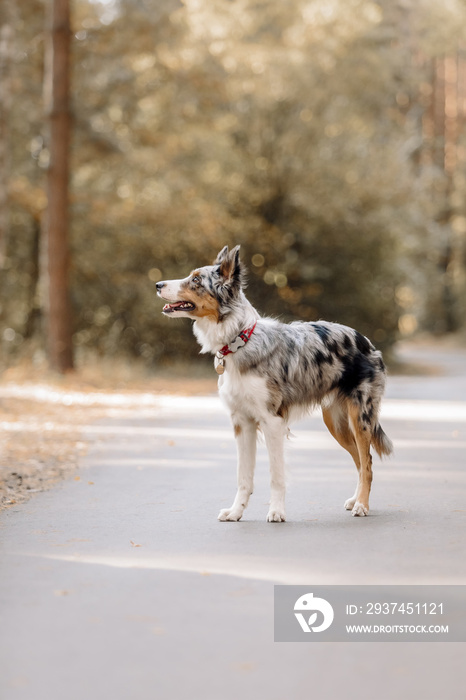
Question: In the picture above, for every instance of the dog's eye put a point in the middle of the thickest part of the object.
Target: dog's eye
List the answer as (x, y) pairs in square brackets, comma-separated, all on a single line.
[(196, 280)]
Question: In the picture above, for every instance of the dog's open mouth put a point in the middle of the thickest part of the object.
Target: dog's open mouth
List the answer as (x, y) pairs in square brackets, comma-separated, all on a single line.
[(178, 306)]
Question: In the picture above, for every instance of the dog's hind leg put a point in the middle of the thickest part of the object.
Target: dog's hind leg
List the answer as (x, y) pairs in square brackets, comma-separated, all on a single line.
[(362, 437), (275, 430), (338, 426), (246, 441)]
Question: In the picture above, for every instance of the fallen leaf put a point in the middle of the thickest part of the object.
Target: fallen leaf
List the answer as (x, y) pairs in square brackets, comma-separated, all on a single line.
[(246, 666)]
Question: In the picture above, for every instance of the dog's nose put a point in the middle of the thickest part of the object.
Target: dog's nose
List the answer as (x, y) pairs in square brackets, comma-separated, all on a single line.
[(159, 286)]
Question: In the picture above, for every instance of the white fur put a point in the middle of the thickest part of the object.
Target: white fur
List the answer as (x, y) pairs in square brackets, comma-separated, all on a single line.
[(171, 293), (246, 396)]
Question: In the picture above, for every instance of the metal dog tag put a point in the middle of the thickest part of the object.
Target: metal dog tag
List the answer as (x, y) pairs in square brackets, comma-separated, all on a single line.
[(219, 364), (237, 344)]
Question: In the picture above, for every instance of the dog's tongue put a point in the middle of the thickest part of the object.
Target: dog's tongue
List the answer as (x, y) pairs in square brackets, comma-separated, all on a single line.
[(171, 307)]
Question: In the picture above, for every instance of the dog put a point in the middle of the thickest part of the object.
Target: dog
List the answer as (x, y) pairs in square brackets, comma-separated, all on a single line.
[(271, 373)]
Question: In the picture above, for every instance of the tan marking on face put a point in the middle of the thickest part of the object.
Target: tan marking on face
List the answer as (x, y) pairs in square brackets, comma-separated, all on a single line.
[(205, 304), (237, 430)]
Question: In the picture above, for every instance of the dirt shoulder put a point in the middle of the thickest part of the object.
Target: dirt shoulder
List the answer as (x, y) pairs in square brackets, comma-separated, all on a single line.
[(43, 416), (36, 448)]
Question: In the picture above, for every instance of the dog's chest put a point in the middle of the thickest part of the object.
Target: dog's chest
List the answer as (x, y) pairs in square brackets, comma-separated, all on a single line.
[(243, 393)]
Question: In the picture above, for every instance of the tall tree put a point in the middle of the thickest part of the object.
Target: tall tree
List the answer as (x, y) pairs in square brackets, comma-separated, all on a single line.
[(6, 36), (57, 86)]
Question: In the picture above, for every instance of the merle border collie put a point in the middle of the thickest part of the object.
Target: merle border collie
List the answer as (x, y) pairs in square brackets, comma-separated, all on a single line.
[(271, 373)]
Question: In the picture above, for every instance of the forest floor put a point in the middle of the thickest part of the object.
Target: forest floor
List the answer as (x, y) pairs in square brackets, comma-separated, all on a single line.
[(43, 415)]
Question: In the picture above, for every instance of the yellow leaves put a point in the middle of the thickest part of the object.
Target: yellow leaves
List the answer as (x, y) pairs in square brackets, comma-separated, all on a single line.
[(458, 224), (407, 324), (154, 274), (405, 296), (23, 193), (279, 279), (143, 62)]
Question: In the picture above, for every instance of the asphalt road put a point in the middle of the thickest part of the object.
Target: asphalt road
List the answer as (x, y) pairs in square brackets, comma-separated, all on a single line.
[(122, 584)]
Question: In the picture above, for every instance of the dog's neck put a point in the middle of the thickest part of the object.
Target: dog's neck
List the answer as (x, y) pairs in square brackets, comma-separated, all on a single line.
[(213, 336)]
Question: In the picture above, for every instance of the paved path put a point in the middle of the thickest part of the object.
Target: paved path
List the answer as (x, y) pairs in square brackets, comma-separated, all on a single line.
[(124, 585)]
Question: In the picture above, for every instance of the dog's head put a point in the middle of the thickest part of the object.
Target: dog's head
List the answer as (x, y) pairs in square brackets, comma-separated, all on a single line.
[(208, 291)]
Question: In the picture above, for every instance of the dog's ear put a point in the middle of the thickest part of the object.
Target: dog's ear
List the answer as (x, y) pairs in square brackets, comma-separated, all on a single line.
[(230, 266), (221, 256)]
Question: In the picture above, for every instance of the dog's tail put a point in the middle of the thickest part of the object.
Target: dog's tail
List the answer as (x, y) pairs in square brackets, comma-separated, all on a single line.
[(381, 442)]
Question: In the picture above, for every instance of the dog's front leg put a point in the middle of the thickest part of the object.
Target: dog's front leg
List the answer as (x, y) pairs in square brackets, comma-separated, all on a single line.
[(275, 430), (246, 440)]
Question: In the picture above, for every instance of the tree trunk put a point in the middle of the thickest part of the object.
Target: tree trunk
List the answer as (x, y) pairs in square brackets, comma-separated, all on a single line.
[(59, 329), (6, 43)]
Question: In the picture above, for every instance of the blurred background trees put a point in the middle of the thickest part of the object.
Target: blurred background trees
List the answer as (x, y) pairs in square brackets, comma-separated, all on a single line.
[(327, 137)]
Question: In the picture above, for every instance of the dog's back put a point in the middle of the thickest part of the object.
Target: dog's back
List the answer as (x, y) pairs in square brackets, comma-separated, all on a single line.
[(306, 364)]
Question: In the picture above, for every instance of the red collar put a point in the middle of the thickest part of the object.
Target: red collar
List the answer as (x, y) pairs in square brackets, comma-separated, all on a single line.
[(238, 342)]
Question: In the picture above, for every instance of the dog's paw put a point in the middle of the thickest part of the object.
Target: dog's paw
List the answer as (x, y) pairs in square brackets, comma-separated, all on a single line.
[(276, 516), (360, 509), (350, 503), (230, 514)]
